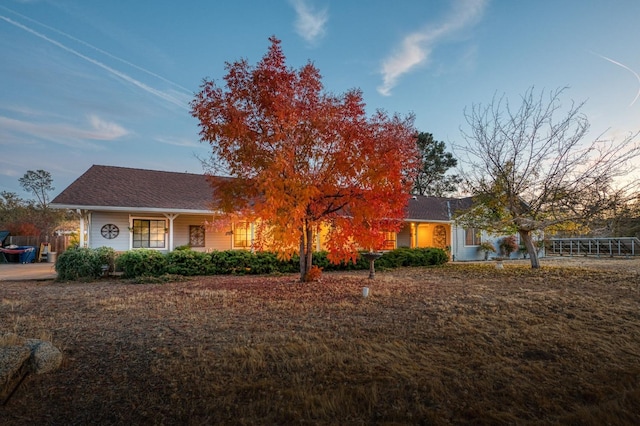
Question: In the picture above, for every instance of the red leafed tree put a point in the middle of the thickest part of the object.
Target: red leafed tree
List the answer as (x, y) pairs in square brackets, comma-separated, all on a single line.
[(301, 158)]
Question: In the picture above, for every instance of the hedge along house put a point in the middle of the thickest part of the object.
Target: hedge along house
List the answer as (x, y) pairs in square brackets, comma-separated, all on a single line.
[(126, 208)]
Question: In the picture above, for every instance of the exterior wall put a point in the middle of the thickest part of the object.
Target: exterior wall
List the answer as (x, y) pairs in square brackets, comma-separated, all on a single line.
[(411, 235), (423, 235), (98, 219), (404, 237), (461, 251), (214, 240)]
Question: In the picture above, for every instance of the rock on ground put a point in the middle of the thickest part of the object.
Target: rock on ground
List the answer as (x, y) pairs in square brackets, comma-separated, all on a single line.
[(44, 356), (19, 357)]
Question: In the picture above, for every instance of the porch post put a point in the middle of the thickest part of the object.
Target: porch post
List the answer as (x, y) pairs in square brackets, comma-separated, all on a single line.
[(171, 217), (251, 226), (413, 234), (82, 227)]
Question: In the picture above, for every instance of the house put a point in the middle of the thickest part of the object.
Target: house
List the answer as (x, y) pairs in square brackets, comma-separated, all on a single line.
[(126, 208)]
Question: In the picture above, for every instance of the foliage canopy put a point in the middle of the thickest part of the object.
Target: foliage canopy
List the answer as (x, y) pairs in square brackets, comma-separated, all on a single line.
[(302, 158), (432, 178)]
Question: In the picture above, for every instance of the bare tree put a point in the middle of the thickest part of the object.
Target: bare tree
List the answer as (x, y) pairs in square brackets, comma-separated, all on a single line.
[(39, 183), (530, 168)]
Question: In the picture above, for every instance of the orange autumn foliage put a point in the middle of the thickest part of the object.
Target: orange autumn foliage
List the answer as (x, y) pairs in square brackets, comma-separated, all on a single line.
[(301, 157)]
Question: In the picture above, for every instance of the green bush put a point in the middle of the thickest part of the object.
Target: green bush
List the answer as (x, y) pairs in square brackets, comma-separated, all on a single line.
[(321, 260), (242, 262), (412, 257), (138, 262), (79, 264), (107, 257), (269, 263), (188, 263)]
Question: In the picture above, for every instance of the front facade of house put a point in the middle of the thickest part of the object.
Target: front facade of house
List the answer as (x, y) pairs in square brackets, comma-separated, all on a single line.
[(127, 208)]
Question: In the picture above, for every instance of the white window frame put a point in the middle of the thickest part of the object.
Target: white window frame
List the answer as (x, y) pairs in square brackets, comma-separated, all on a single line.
[(150, 218), (247, 230), (477, 237)]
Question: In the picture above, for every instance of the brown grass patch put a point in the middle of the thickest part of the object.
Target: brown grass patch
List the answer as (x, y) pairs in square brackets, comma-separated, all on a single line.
[(453, 345)]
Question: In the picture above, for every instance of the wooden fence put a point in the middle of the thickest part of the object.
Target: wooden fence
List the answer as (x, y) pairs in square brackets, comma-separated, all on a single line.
[(56, 244)]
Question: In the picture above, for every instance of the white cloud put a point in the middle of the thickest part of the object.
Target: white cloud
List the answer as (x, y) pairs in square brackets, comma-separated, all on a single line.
[(64, 134), (104, 130), (310, 24), (416, 48), (180, 142)]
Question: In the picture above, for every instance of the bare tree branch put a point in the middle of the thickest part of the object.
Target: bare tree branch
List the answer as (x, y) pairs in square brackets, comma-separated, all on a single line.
[(530, 167)]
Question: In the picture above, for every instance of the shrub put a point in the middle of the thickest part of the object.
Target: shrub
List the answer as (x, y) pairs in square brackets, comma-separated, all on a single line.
[(313, 274), (135, 263), (269, 263), (321, 260), (107, 257), (79, 264), (413, 257), (237, 262), (486, 247), (188, 263), (508, 245)]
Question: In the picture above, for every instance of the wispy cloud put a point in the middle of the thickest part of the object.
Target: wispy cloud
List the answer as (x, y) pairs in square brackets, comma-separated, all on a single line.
[(160, 94), (416, 48), (97, 130), (626, 68), (97, 49), (179, 142), (310, 24)]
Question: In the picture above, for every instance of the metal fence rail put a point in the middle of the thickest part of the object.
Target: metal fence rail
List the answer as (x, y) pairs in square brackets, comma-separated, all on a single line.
[(618, 246)]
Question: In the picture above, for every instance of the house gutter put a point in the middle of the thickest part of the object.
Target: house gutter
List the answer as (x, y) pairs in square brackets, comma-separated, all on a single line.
[(130, 209)]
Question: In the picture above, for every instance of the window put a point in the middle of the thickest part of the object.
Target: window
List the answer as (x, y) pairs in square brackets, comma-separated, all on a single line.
[(196, 236), (242, 235), (149, 233), (472, 237), (440, 237), (389, 241)]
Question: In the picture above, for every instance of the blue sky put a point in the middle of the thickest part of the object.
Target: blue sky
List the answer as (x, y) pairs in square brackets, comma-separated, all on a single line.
[(87, 82)]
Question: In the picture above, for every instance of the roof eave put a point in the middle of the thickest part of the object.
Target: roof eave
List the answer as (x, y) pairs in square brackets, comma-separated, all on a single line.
[(408, 219), (128, 209)]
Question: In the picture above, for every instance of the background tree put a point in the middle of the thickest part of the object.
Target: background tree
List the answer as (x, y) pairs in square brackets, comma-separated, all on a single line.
[(39, 183), (30, 217), (529, 168), (431, 178), (302, 158)]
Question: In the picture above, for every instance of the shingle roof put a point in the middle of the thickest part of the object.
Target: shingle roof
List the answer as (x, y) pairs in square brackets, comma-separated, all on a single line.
[(125, 188), (424, 208), (109, 186)]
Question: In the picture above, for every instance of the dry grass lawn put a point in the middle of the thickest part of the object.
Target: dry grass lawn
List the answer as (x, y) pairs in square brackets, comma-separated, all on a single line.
[(462, 344)]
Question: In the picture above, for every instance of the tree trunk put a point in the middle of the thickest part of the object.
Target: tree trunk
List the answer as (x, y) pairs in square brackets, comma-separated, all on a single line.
[(303, 258), (309, 248), (306, 251), (525, 237)]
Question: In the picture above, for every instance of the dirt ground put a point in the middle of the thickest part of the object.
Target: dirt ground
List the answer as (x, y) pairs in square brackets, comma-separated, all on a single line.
[(462, 344)]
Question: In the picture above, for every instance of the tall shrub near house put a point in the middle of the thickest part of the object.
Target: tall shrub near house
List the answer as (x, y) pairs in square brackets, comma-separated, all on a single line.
[(303, 158)]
